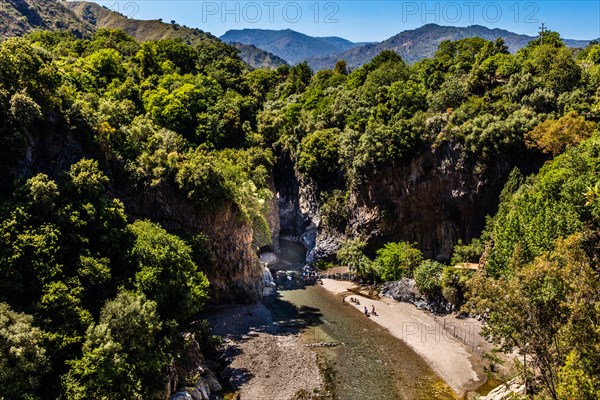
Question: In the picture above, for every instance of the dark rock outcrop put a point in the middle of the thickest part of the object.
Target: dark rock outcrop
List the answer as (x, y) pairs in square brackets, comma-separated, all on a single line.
[(297, 203), (435, 199), (50, 146), (189, 376)]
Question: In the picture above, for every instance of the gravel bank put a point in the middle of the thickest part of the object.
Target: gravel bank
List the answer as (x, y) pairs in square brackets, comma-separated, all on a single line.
[(266, 360)]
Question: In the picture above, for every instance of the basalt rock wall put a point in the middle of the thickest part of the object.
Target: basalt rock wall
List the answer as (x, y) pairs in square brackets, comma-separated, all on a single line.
[(51, 147), (433, 200)]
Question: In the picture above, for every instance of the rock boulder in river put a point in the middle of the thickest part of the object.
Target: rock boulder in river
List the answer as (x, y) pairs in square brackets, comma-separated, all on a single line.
[(510, 390)]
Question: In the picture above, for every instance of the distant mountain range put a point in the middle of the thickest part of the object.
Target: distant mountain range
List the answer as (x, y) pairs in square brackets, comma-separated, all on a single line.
[(258, 47), (292, 46), (412, 45)]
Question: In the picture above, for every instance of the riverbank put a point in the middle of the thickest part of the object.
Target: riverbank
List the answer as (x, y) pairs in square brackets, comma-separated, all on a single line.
[(452, 347), (304, 340), (266, 359)]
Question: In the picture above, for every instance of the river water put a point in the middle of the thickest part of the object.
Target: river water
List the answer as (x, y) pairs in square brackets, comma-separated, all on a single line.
[(370, 363)]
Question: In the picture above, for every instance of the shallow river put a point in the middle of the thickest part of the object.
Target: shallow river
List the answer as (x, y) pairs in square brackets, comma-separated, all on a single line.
[(371, 363)]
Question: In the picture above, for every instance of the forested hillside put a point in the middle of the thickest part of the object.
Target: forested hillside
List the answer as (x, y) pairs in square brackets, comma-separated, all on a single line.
[(404, 162), (98, 134), (142, 30), (421, 153), (138, 181)]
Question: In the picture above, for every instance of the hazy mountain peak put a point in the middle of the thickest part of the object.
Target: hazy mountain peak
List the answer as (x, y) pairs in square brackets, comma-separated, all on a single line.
[(288, 44)]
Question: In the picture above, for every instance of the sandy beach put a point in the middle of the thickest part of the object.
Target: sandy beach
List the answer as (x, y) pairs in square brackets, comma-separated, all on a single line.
[(457, 361)]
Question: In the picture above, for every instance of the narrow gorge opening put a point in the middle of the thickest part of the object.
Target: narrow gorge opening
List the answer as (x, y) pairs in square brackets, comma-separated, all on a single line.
[(295, 227)]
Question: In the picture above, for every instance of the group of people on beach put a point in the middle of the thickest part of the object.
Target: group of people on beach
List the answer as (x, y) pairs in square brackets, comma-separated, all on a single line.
[(357, 302), (352, 300), (373, 313)]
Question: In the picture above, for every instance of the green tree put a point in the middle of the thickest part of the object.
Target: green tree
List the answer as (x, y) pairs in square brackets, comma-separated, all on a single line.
[(428, 277), (555, 67), (43, 191), (24, 109), (227, 123), (451, 94), (202, 179), (63, 312), (178, 100), (24, 360), (406, 98), (555, 136), (122, 355), (548, 309), (105, 65), (166, 272), (546, 207), (397, 260), (155, 56), (351, 255), (117, 39), (454, 285), (298, 79), (467, 253), (575, 381), (319, 154), (30, 69), (87, 178)]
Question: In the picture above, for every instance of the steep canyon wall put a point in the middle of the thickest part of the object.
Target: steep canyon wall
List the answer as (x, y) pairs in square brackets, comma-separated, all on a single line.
[(435, 199)]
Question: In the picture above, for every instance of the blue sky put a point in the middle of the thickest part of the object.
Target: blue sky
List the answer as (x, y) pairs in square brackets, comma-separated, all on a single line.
[(360, 20)]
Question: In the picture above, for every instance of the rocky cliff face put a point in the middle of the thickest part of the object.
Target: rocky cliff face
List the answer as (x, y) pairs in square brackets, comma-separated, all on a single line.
[(297, 204), (237, 274), (50, 147), (434, 200)]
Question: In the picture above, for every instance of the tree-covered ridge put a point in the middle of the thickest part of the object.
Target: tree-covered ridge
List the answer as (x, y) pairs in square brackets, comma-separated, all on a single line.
[(80, 280), (538, 289), (541, 280)]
